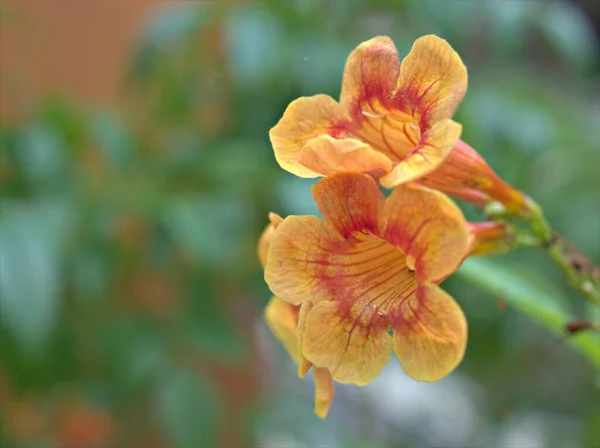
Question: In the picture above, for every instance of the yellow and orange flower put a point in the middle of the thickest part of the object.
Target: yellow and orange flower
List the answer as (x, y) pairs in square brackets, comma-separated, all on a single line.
[(393, 121), (373, 264), (490, 237), (282, 319)]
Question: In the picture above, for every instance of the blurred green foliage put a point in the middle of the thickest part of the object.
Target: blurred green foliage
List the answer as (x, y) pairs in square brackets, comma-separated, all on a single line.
[(129, 285)]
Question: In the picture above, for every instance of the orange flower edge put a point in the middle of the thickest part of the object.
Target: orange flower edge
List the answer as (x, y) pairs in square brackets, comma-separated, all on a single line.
[(284, 320), (264, 240)]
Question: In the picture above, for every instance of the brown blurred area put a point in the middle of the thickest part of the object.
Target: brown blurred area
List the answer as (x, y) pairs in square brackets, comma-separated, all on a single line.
[(72, 48), (79, 49)]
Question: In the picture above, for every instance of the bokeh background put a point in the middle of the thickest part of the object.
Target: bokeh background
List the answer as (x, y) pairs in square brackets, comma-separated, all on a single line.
[(136, 175)]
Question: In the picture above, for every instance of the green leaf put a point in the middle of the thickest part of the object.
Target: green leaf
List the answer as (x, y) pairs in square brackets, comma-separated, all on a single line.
[(569, 31), (254, 45), (112, 138), (136, 353), (187, 408), (42, 157), (167, 28), (209, 228), (214, 335), (592, 312), (208, 326), (529, 294), (31, 263)]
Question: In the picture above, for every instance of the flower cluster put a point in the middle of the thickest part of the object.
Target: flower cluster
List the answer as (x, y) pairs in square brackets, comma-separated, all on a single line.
[(362, 282)]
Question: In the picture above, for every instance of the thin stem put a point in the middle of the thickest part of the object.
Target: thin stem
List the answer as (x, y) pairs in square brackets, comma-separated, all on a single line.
[(581, 273)]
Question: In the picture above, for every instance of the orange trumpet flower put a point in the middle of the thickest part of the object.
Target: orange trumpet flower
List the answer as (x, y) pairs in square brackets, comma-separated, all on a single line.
[(393, 121), (371, 266)]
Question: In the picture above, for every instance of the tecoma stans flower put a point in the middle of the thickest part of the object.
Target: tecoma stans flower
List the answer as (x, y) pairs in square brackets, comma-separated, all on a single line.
[(393, 121), (373, 264), (282, 319)]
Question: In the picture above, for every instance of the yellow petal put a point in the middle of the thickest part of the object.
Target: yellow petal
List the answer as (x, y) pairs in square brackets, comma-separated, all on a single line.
[(310, 261), (324, 391), (265, 238), (430, 334), (433, 149), (370, 74), (327, 156), (275, 219), (350, 202), (304, 118), (304, 365), (429, 228), (353, 346), (433, 79), (282, 320)]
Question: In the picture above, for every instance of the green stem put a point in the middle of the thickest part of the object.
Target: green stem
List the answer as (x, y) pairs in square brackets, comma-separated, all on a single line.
[(527, 293), (581, 273), (537, 221)]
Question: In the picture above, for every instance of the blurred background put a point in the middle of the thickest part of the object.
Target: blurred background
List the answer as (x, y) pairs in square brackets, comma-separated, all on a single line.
[(136, 175)]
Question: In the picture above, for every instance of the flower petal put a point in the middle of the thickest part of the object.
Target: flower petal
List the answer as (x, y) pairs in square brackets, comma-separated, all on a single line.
[(368, 94), (466, 171), (310, 261), (324, 391), (265, 238), (275, 219), (433, 79), (353, 345), (326, 155), (305, 118), (298, 257), (433, 149), (430, 334), (350, 202), (304, 365), (490, 237), (282, 320), (370, 75), (429, 228)]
